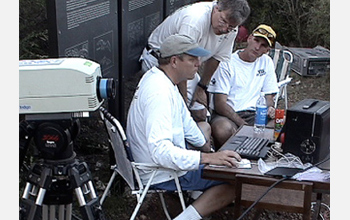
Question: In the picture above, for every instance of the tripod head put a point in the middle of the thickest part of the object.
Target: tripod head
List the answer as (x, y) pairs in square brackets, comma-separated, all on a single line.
[(53, 138)]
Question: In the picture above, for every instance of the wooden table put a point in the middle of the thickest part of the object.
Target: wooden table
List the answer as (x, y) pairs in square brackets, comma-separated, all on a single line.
[(250, 184)]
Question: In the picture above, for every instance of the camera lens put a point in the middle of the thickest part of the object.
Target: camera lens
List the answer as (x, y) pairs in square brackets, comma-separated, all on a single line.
[(106, 88)]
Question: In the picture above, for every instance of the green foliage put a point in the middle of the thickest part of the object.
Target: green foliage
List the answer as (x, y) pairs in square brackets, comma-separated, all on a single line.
[(318, 26), (301, 23), (33, 33)]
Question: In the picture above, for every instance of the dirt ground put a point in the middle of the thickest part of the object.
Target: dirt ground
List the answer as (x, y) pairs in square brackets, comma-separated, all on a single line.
[(92, 147)]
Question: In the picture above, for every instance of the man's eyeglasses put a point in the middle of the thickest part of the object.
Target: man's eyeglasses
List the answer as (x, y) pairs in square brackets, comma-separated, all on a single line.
[(224, 23), (262, 31)]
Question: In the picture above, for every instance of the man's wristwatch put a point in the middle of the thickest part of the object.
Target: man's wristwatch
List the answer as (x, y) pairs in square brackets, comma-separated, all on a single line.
[(204, 87)]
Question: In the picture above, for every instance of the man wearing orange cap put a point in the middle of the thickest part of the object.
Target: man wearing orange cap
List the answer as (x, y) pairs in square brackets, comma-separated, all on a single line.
[(236, 85)]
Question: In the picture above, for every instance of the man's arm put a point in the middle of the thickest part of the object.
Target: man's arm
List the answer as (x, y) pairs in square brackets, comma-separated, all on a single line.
[(207, 72), (222, 108), (270, 104), (269, 99)]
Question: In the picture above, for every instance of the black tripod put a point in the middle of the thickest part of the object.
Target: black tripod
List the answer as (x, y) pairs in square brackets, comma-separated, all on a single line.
[(53, 180)]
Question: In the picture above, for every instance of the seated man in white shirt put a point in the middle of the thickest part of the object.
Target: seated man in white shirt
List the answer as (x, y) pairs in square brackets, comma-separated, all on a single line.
[(236, 85), (160, 128)]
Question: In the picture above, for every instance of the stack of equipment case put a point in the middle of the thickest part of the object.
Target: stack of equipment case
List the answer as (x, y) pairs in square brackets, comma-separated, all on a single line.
[(310, 61)]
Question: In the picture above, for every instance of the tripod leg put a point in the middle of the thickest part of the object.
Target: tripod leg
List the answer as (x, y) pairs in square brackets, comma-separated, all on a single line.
[(26, 191), (90, 209), (80, 196), (69, 212), (52, 185), (45, 213), (43, 193), (92, 190), (64, 212), (61, 212), (52, 212), (40, 198), (38, 202)]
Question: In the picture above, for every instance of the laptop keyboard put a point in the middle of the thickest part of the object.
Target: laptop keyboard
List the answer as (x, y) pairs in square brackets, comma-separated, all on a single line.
[(251, 148)]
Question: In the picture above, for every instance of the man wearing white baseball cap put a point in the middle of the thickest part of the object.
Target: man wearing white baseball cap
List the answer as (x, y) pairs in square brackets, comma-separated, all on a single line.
[(160, 128)]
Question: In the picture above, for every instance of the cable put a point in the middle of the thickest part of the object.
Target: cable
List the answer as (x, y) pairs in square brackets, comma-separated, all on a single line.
[(262, 196), (275, 184), (284, 160)]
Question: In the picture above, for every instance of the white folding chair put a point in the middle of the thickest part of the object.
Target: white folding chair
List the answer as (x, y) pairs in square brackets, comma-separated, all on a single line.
[(127, 168), (282, 60)]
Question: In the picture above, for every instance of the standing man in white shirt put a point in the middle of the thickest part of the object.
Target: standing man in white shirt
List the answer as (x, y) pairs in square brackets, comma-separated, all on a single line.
[(213, 25), (236, 85), (160, 128)]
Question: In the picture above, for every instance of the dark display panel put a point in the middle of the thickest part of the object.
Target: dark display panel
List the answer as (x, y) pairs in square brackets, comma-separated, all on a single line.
[(172, 5), (87, 29), (138, 19)]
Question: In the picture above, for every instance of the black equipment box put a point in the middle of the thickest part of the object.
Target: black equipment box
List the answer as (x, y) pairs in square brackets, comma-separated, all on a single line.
[(310, 61), (307, 130)]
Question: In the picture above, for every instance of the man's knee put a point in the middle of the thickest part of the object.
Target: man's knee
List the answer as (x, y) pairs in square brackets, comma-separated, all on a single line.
[(206, 129), (222, 129)]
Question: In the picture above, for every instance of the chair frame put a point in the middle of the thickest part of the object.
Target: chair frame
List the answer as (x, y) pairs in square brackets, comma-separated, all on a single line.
[(138, 189), (282, 74)]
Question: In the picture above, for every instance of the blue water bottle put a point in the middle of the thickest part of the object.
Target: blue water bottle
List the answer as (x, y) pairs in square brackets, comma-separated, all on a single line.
[(261, 114)]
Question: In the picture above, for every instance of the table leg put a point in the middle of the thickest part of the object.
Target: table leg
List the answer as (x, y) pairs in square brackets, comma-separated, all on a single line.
[(307, 202), (237, 206), (317, 207)]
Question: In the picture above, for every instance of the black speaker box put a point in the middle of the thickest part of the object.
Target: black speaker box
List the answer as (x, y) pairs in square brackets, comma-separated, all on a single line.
[(307, 130)]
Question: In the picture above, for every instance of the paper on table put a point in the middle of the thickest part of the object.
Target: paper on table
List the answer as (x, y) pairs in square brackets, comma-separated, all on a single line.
[(313, 174)]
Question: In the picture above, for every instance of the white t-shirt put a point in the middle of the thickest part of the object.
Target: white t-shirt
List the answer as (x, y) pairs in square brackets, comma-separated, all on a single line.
[(195, 21), (158, 126), (243, 81)]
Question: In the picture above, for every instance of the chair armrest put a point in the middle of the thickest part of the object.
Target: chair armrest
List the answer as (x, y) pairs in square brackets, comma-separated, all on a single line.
[(284, 82), (147, 166)]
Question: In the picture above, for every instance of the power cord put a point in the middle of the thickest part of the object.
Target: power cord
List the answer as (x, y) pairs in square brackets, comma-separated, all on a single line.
[(275, 153), (262, 196), (275, 184)]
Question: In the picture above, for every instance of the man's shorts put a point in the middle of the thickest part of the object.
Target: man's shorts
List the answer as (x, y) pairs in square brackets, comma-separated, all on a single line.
[(192, 180), (248, 116)]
